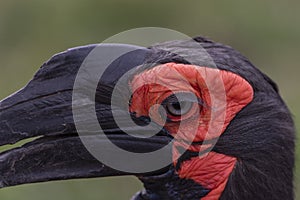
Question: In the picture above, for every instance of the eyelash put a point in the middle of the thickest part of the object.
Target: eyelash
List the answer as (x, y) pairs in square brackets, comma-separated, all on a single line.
[(172, 99)]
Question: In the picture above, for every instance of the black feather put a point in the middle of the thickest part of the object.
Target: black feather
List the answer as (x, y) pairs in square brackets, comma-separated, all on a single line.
[(261, 136)]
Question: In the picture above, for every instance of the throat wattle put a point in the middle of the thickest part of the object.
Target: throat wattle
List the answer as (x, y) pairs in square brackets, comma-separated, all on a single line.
[(211, 171)]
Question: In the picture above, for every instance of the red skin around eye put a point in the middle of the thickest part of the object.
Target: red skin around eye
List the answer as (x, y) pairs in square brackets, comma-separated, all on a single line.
[(224, 94)]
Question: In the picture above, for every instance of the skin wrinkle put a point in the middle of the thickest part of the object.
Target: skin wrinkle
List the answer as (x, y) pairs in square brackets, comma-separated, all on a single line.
[(153, 86), (261, 135)]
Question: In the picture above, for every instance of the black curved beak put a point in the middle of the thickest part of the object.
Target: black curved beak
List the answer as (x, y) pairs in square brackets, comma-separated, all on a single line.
[(42, 110)]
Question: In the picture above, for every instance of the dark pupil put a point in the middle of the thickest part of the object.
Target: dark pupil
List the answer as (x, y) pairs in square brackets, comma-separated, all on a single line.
[(176, 106)]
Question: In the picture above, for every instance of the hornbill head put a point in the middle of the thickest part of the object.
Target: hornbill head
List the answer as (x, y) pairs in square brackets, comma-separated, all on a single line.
[(230, 134)]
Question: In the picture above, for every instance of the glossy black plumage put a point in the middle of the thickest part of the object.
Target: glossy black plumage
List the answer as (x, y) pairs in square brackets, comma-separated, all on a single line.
[(261, 136)]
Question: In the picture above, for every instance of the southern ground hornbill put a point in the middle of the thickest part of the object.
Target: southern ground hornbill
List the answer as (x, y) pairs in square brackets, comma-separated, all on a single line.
[(247, 154)]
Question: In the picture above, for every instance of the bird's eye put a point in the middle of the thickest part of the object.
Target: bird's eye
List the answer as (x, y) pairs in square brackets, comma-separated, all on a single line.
[(179, 108)]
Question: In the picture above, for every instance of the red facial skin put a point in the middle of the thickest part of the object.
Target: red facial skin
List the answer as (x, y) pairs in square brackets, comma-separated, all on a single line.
[(224, 94)]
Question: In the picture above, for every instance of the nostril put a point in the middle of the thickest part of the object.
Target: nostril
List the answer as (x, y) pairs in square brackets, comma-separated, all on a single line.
[(141, 120)]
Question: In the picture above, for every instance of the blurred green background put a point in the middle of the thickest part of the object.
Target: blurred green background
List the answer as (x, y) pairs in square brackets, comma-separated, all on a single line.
[(31, 31)]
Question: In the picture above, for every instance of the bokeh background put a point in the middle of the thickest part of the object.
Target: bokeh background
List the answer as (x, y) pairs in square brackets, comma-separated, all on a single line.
[(31, 31)]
